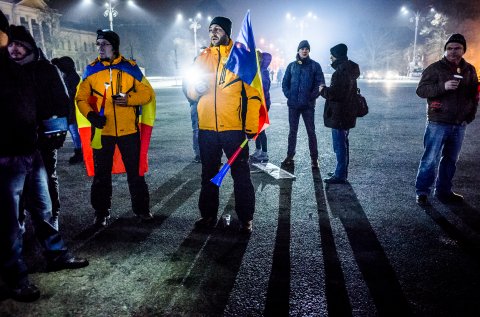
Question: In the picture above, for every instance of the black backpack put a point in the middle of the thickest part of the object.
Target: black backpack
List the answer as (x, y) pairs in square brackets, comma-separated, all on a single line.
[(360, 103)]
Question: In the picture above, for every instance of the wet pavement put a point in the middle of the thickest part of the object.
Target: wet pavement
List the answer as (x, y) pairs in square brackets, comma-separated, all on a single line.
[(361, 249)]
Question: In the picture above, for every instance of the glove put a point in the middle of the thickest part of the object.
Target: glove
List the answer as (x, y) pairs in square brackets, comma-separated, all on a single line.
[(96, 120), (250, 135)]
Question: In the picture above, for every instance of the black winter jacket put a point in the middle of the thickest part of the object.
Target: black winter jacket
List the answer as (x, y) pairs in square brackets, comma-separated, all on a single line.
[(301, 82), (449, 106), (18, 105), (340, 112)]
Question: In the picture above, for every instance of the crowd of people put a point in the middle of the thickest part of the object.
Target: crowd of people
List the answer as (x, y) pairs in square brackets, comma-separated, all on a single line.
[(116, 106)]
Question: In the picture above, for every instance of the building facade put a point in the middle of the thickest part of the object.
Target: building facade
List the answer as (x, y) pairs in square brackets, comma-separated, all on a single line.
[(51, 37)]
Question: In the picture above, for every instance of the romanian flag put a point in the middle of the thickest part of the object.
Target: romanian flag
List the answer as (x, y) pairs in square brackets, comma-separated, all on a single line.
[(145, 123), (243, 62)]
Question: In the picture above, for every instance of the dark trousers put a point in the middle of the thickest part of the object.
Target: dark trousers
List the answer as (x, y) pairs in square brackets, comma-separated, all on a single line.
[(101, 192), (212, 145), (308, 115), (49, 157), (261, 142)]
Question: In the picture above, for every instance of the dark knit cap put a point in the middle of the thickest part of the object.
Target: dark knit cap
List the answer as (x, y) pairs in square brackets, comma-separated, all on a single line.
[(3, 22), (303, 44), (19, 34), (339, 50), (111, 37), (457, 38), (224, 23)]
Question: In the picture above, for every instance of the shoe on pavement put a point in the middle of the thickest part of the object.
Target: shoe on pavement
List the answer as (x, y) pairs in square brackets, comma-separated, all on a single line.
[(334, 180), (100, 220), (450, 198), (24, 292), (422, 200), (288, 161), (66, 262), (246, 227), (330, 174), (205, 223), (146, 217)]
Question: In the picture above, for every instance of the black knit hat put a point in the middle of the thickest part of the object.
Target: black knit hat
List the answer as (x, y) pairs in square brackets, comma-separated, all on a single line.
[(19, 34), (224, 23), (3, 22), (457, 38), (111, 37), (303, 44), (339, 50)]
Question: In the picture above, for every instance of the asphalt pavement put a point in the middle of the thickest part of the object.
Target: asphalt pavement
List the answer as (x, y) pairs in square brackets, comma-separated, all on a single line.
[(360, 249)]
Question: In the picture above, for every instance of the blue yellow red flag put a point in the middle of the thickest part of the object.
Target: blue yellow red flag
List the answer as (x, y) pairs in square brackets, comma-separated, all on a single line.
[(243, 62)]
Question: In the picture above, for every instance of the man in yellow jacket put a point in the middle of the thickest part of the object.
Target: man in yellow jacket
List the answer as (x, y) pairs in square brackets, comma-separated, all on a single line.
[(228, 111), (109, 96)]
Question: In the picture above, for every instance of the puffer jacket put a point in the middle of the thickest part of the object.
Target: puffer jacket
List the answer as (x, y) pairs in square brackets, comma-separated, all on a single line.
[(340, 111), (266, 82), (121, 120), (449, 106), (222, 107), (301, 82)]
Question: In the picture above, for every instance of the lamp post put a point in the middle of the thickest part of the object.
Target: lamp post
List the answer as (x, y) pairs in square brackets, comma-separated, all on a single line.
[(195, 25), (110, 13), (415, 17), (302, 21)]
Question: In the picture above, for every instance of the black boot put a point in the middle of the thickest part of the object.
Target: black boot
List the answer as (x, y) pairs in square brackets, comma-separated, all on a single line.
[(77, 157)]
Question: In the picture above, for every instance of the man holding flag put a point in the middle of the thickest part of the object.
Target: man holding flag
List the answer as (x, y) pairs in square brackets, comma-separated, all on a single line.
[(228, 112)]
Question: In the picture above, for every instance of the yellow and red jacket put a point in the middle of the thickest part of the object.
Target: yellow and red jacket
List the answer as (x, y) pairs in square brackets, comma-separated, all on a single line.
[(121, 120), (220, 108)]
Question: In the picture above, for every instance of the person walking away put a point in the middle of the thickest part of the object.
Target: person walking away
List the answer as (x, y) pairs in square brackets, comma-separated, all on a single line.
[(450, 87), (66, 65), (118, 86), (228, 111), (340, 112), (261, 152), (300, 86), (24, 184)]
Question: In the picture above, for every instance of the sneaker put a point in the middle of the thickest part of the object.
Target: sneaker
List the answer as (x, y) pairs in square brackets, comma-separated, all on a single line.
[(334, 180), (66, 262), (101, 221), (449, 198), (146, 217), (246, 227), (263, 157), (205, 223), (77, 157), (256, 154), (330, 174), (288, 161), (25, 292), (422, 200)]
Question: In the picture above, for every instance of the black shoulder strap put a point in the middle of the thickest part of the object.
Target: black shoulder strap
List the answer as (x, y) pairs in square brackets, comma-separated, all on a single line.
[(244, 106)]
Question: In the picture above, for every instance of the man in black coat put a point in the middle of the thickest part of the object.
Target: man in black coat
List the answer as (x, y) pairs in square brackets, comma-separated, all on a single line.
[(340, 111), (23, 184), (300, 85)]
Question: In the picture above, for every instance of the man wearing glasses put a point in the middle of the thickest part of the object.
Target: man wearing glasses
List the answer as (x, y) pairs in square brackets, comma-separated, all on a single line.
[(112, 96)]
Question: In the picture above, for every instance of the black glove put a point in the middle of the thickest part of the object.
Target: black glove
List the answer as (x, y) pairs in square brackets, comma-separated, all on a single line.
[(96, 120), (250, 135)]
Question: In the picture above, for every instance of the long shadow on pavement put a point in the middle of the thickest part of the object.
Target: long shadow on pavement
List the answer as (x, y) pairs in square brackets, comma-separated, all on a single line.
[(368, 252), (338, 303), (278, 292), (186, 182), (469, 215), (201, 273)]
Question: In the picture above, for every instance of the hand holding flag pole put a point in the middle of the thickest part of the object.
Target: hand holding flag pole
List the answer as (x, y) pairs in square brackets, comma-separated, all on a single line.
[(243, 61), (96, 142)]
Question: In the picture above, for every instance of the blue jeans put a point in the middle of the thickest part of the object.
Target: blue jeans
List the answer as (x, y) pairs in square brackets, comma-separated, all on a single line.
[(212, 146), (23, 186), (308, 116), (194, 117), (442, 143), (341, 149), (73, 128)]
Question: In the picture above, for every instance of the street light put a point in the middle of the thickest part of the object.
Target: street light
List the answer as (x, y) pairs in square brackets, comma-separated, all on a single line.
[(302, 21), (111, 13), (415, 17)]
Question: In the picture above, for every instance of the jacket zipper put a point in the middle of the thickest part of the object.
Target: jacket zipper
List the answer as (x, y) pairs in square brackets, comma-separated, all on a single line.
[(215, 92)]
